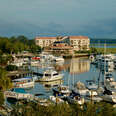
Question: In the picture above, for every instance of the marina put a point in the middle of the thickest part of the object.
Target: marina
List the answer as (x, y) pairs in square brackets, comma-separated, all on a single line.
[(71, 81), (74, 70)]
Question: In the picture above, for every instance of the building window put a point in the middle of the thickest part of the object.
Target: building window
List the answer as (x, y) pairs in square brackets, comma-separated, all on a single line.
[(71, 41)]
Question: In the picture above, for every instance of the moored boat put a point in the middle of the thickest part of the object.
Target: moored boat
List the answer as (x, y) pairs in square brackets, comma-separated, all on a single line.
[(56, 100), (75, 100), (25, 82), (50, 75), (80, 89), (61, 90), (18, 94)]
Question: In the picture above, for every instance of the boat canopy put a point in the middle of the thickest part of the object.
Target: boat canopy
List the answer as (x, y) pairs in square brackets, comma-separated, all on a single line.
[(22, 79), (18, 90)]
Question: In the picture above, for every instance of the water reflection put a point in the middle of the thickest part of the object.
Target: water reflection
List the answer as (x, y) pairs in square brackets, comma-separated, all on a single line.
[(73, 69), (78, 66), (49, 85), (74, 65)]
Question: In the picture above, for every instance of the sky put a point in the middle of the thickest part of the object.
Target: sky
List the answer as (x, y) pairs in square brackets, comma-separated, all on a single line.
[(93, 18)]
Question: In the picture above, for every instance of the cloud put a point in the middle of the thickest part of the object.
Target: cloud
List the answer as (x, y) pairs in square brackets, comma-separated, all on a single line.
[(98, 28), (30, 30), (101, 28)]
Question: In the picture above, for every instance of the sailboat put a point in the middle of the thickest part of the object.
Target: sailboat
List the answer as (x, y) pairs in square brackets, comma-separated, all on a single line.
[(75, 97), (109, 94)]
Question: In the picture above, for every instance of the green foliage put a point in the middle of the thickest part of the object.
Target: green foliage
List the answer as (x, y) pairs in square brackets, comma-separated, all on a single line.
[(4, 59), (108, 50), (5, 82), (11, 68), (17, 44), (88, 109), (82, 51), (1, 98), (93, 50)]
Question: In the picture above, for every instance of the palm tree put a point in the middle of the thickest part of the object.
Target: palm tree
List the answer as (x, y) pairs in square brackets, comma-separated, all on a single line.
[(5, 83)]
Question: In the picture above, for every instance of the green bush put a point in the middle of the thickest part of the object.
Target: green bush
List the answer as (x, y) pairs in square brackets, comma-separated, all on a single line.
[(11, 68)]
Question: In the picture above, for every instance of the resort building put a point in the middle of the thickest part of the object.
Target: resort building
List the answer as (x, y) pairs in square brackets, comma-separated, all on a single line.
[(79, 42), (61, 46), (44, 41), (64, 43)]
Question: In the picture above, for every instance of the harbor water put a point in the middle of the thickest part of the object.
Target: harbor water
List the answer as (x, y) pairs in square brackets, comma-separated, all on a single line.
[(74, 70)]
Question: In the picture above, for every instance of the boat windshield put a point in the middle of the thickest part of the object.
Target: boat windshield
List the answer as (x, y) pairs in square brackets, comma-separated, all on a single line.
[(55, 74), (109, 75), (47, 75)]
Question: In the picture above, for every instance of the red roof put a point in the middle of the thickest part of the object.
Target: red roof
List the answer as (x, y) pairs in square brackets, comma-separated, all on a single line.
[(35, 58), (45, 38), (78, 37)]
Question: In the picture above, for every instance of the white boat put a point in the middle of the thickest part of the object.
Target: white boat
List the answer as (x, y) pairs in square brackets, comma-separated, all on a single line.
[(106, 62), (108, 77), (110, 82), (80, 89), (34, 63), (114, 63), (58, 59), (43, 102), (18, 94), (46, 57), (50, 75), (62, 91), (75, 100), (91, 85), (56, 100), (18, 64), (25, 82), (109, 98)]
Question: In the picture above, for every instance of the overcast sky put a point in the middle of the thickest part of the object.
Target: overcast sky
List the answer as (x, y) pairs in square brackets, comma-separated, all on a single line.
[(93, 18)]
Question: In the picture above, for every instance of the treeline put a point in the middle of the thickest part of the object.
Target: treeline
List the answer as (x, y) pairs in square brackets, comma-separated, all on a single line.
[(102, 41), (88, 109), (17, 44)]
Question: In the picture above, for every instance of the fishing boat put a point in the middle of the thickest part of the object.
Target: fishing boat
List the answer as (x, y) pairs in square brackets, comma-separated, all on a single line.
[(50, 75), (25, 82), (17, 94)]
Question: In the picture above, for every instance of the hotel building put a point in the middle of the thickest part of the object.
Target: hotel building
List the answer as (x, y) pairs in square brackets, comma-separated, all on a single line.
[(44, 41), (73, 42), (79, 42)]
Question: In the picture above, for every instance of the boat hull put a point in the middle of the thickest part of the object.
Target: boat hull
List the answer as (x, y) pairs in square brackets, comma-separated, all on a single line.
[(47, 79), (24, 85)]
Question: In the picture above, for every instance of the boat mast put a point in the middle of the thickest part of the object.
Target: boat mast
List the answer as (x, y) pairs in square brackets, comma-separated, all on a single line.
[(104, 63)]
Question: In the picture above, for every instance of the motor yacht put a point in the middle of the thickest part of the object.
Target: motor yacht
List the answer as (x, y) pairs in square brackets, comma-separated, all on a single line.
[(50, 75)]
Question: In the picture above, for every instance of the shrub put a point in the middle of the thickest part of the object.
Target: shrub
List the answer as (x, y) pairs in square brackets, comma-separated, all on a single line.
[(11, 68)]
